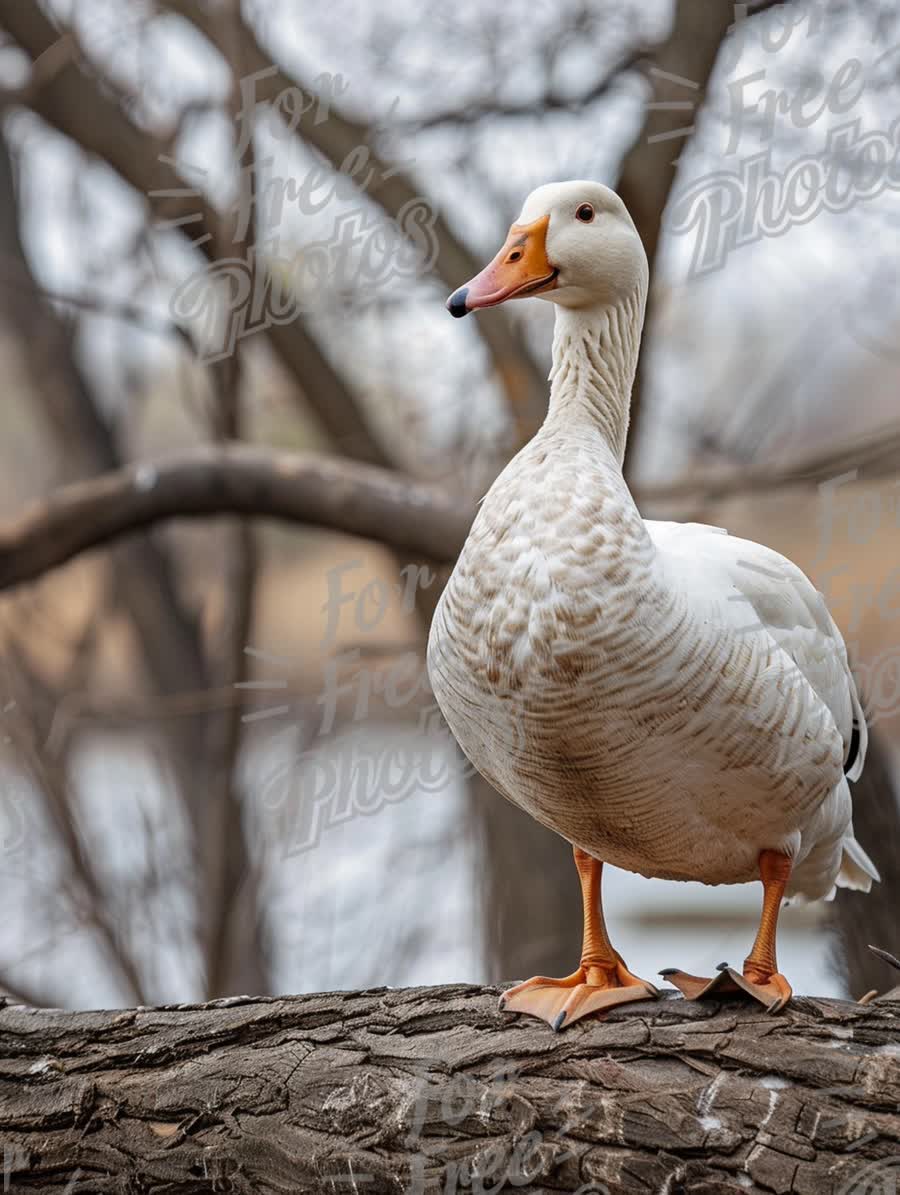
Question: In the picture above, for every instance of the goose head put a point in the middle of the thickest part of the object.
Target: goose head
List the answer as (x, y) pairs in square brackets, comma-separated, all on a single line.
[(573, 244)]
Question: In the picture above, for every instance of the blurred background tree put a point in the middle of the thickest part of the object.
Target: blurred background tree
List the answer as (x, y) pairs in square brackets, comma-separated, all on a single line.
[(222, 770)]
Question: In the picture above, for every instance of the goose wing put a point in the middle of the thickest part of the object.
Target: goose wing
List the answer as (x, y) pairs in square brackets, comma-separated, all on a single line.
[(762, 593)]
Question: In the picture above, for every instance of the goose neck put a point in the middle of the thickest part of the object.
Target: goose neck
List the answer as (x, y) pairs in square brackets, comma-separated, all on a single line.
[(595, 354)]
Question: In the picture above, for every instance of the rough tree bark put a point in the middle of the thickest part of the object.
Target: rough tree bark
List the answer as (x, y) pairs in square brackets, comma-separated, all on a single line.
[(434, 1090)]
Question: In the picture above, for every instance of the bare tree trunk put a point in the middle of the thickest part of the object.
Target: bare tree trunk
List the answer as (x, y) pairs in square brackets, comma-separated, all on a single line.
[(863, 918), (145, 574), (230, 884), (168, 633), (683, 67), (433, 1090), (531, 900)]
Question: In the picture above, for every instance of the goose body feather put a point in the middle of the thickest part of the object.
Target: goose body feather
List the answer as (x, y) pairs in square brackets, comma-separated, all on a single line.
[(668, 697)]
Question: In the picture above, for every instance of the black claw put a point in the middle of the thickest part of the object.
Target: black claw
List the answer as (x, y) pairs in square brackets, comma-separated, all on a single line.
[(883, 954), (558, 1023), (723, 966), (668, 971)]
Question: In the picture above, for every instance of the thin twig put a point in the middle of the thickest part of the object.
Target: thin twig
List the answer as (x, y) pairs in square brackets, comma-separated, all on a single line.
[(119, 309)]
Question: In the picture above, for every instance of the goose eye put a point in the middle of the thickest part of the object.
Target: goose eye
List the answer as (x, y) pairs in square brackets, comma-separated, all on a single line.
[(585, 213)]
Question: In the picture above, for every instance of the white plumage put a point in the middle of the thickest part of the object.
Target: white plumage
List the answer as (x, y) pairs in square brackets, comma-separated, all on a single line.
[(669, 698)]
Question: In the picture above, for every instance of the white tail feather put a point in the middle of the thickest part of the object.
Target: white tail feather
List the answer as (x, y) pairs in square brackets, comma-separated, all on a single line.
[(857, 869)]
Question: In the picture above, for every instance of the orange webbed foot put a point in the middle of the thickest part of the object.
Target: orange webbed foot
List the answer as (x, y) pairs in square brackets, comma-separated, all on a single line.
[(772, 991), (562, 1002)]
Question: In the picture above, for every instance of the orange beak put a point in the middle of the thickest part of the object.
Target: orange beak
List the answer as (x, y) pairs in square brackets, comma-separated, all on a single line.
[(520, 268)]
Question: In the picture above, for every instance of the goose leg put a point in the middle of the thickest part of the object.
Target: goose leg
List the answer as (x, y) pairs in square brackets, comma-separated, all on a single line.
[(602, 979), (760, 978)]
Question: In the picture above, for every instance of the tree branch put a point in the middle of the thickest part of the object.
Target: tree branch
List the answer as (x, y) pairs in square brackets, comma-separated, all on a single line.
[(229, 881), (683, 66), (86, 445), (73, 103), (432, 1090), (232, 479), (339, 139), (87, 889), (682, 69), (550, 101), (877, 453), (356, 499)]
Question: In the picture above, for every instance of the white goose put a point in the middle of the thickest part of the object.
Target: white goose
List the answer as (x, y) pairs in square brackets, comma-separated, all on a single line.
[(668, 698)]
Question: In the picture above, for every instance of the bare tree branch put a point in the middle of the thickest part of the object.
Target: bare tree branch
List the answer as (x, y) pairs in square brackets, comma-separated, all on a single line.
[(74, 104), (683, 66), (679, 76), (87, 893), (229, 880), (95, 304), (877, 454), (326, 492), (234, 479), (146, 580), (339, 138), (143, 574), (44, 70), (433, 1090), (549, 101), (21, 993)]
